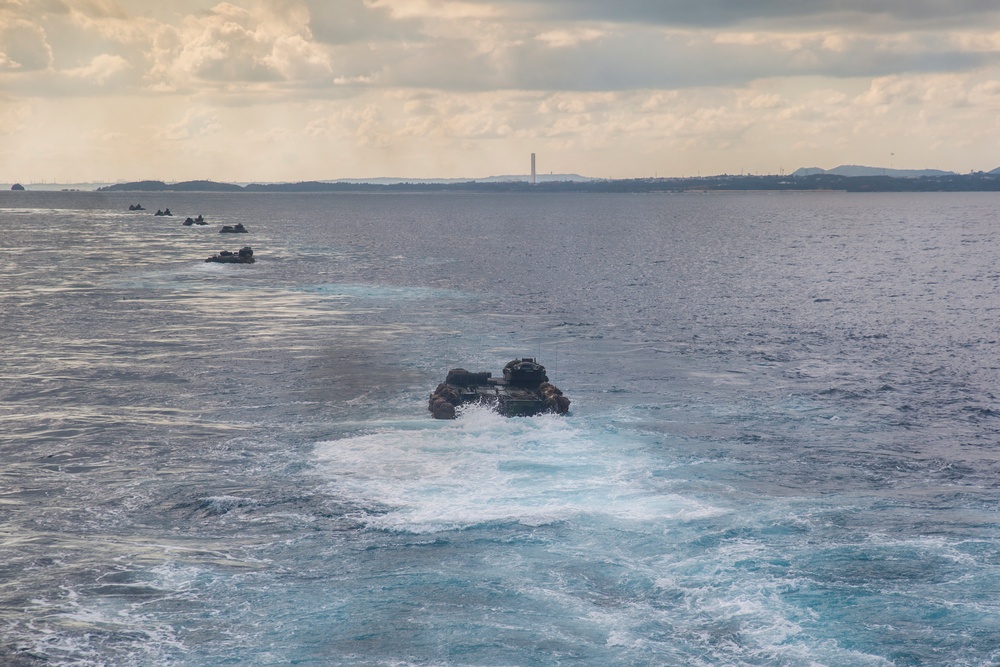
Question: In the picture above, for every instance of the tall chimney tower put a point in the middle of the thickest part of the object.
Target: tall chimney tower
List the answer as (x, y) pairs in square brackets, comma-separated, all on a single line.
[(532, 168)]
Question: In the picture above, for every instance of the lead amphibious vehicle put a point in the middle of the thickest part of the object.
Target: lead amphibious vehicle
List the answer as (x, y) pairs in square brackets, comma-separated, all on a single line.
[(523, 391)]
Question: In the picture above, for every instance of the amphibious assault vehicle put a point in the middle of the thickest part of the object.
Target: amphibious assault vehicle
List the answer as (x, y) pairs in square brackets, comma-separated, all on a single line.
[(244, 256), (523, 391)]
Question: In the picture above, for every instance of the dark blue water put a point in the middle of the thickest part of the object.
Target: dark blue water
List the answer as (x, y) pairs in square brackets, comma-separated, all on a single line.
[(782, 450)]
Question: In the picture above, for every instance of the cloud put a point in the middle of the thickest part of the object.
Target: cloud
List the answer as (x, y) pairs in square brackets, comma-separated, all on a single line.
[(313, 47), (496, 79), (96, 9), (14, 118), (24, 46), (566, 38), (196, 124), (232, 45), (642, 57), (357, 21), (222, 46), (855, 15), (100, 69)]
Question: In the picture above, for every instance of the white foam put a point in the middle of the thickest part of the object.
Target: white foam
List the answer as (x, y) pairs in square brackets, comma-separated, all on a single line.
[(224, 504), (484, 468)]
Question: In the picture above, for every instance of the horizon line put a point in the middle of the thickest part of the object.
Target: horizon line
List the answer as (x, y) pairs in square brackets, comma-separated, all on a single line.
[(512, 178)]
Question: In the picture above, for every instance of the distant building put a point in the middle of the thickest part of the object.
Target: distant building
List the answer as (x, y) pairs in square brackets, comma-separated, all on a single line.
[(17, 186)]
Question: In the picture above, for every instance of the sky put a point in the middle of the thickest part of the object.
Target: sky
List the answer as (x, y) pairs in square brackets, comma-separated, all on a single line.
[(292, 90)]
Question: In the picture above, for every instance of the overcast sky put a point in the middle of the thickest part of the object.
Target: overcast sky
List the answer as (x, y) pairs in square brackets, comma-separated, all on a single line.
[(288, 90)]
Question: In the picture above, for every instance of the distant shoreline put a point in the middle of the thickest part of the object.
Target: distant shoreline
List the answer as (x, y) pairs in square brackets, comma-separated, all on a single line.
[(976, 182), (826, 182)]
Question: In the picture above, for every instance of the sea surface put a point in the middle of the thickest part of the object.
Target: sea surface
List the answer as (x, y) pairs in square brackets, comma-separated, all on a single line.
[(783, 446)]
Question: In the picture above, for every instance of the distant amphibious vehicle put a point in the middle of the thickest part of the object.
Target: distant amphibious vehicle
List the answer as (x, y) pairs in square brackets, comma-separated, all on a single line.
[(243, 256), (523, 391)]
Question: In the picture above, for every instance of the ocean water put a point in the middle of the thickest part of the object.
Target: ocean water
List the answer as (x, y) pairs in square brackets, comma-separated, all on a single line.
[(782, 448)]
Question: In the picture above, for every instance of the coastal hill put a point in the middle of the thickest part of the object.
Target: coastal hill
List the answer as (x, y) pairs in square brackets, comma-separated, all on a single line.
[(339, 184), (183, 186), (854, 170), (540, 178)]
